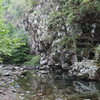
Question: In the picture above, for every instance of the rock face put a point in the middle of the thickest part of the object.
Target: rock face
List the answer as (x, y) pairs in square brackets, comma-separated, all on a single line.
[(42, 40), (36, 23), (85, 70), (56, 49)]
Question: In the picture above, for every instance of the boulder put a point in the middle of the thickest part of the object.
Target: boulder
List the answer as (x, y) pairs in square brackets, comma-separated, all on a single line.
[(51, 62), (45, 67), (65, 67), (43, 62), (85, 70)]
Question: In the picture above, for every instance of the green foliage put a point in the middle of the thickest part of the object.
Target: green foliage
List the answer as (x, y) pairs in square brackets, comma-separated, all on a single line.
[(71, 11), (98, 49), (34, 61), (9, 42), (20, 55), (97, 54)]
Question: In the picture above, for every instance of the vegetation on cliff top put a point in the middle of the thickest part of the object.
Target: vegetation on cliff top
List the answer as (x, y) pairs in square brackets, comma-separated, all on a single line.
[(72, 11)]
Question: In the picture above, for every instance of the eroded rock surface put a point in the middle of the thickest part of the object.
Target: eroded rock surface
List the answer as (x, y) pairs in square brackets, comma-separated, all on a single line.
[(85, 70), (58, 48)]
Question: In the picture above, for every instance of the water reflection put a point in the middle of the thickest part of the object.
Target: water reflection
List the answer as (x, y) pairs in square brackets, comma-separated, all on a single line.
[(46, 87)]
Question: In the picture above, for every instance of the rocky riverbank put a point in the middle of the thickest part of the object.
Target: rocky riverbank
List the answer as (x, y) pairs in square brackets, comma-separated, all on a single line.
[(84, 70), (36, 83), (8, 74)]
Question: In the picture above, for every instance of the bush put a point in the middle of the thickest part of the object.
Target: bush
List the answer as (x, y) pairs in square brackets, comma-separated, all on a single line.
[(21, 54), (34, 61), (18, 55)]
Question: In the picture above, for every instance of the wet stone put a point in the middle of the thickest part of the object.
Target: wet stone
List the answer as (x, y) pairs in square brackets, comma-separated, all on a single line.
[(1, 91), (28, 92)]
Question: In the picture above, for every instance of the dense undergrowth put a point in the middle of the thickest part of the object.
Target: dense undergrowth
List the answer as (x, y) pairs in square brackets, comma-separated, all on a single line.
[(14, 45)]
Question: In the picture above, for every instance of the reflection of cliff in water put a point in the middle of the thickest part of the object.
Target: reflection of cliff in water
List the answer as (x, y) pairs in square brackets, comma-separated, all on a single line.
[(44, 87), (86, 87)]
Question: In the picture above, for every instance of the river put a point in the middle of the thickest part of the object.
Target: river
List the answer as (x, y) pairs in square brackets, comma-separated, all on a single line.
[(36, 86)]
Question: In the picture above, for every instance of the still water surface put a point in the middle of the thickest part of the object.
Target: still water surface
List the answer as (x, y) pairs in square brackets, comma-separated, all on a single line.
[(35, 86)]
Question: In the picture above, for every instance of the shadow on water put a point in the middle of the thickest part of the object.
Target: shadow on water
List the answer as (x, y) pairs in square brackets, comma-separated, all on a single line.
[(35, 86)]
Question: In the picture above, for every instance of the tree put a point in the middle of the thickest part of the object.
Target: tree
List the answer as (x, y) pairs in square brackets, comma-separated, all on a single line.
[(7, 43)]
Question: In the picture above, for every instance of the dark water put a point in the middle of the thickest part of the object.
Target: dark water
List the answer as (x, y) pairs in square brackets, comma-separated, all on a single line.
[(35, 86)]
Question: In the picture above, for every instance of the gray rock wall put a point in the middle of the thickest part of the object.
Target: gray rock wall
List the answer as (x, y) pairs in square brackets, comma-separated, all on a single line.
[(56, 50), (42, 40), (36, 23)]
